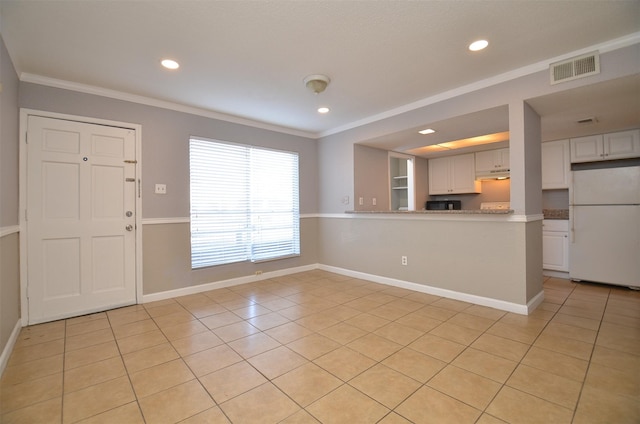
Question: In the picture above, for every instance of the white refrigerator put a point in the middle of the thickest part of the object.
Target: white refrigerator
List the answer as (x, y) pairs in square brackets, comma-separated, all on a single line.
[(605, 226)]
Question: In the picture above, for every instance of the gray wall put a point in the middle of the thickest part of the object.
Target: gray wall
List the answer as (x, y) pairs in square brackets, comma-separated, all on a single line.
[(165, 144), (481, 258), (167, 260), (336, 151), (374, 246), (501, 259), (9, 136), (165, 159), (9, 246), (371, 178)]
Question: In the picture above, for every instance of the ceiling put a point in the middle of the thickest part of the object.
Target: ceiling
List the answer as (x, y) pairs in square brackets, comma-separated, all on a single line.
[(246, 60)]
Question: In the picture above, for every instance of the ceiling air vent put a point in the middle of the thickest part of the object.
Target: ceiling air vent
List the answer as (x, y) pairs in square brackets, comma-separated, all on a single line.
[(574, 68)]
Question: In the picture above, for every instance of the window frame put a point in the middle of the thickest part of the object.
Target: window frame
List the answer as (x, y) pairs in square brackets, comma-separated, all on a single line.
[(270, 219)]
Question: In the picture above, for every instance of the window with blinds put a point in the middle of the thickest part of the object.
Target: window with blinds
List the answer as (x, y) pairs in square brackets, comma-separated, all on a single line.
[(244, 203)]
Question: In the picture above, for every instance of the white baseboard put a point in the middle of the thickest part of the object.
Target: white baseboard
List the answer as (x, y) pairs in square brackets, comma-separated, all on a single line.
[(8, 348), (556, 274), (450, 294), (153, 297), (5, 231)]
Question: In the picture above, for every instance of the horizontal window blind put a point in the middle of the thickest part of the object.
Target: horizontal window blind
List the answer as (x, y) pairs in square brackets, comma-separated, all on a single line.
[(244, 203)]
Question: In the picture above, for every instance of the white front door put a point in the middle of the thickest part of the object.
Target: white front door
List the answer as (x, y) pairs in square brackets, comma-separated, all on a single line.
[(80, 217)]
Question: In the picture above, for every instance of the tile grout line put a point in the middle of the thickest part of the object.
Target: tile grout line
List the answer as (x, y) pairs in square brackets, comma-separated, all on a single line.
[(586, 373), (524, 356), (580, 297)]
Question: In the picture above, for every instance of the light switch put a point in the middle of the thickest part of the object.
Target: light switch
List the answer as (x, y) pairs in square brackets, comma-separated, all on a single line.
[(161, 189)]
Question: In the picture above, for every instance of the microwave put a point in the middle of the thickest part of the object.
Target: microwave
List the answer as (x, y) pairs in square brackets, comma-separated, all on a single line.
[(443, 205)]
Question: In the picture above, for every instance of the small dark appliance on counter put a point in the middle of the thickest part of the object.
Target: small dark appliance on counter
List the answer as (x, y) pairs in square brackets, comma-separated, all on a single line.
[(443, 205)]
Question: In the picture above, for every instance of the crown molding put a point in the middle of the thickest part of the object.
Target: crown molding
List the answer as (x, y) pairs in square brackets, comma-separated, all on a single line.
[(149, 101), (608, 46), (605, 47)]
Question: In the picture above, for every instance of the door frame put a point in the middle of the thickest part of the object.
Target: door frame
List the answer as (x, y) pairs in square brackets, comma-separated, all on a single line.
[(24, 266)]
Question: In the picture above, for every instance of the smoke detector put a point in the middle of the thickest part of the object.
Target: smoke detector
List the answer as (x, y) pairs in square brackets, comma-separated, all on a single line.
[(317, 83)]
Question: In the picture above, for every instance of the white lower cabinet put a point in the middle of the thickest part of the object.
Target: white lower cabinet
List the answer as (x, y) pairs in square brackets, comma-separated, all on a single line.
[(555, 245)]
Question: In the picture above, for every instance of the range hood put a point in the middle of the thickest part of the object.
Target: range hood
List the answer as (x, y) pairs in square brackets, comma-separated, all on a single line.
[(498, 174)]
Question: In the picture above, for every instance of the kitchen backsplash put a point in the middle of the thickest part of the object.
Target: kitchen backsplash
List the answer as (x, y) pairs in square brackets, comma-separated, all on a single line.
[(555, 199), (555, 213), (492, 191)]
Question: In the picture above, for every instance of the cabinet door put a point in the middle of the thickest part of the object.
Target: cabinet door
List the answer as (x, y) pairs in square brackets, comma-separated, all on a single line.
[(492, 160), (555, 250), (504, 158), (555, 165), (587, 149), (622, 145), (439, 176), (463, 174), (485, 161)]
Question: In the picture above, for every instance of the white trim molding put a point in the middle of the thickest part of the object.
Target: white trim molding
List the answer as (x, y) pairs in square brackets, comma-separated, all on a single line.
[(160, 221), (24, 125), (435, 216), (163, 104), (153, 297), (5, 231), (450, 294), (618, 43), (187, 220), (8, 348)]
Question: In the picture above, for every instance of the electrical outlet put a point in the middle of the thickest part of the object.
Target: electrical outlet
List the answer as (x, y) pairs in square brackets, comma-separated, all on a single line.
[(361, 201), (161, 189), (374, 201), (345, 200), (404, 260)]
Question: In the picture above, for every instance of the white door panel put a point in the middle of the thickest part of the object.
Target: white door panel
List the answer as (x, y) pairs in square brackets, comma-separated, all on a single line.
[(60, 260), (607, 186), (80, 255), (605, 244)]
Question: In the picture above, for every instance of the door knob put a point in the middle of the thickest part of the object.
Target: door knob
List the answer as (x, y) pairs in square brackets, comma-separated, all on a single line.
[(129, 214), (129, 228)]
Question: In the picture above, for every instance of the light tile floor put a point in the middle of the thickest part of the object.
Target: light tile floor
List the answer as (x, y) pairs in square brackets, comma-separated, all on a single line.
[(320, 347)]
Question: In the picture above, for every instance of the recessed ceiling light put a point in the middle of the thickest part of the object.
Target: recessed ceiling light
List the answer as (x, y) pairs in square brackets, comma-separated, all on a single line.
[(170, 64), (427, 131), (478, 45), (323, 110)]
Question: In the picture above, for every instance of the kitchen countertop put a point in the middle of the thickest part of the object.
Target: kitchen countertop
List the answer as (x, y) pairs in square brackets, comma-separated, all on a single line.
[(447, 212)]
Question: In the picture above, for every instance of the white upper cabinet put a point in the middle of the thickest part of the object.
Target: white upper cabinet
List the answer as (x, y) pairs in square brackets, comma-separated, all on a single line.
[(620, 145), (492, 161), (453, 175), (587, 149), (556, 166)]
